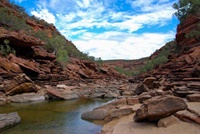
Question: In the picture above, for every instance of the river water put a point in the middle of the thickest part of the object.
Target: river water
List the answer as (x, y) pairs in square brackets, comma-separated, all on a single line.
[(53, 117)]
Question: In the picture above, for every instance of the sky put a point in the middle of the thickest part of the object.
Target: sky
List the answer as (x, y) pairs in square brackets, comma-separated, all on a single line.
[(110, 29)]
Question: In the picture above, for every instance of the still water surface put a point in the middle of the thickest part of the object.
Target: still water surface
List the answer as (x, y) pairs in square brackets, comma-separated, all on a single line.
[(53, 117)]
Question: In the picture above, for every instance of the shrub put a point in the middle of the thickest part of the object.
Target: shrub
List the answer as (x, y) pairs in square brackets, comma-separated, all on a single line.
[(62, 56), (52, 43), (99, 61), (161, 58), (11, 21), (74, 52), (56, 43), (186, 7), (6, 49), (194, 33), (126, 72)]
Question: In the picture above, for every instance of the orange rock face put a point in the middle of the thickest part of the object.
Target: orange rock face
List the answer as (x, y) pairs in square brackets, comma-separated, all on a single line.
[(184, 29), (19, 39)]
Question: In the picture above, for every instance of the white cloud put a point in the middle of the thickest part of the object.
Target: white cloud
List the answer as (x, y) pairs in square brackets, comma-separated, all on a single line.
[(83, 3), (100, 16), (151, 5), (95, 26), (45, 14), (118, 45)]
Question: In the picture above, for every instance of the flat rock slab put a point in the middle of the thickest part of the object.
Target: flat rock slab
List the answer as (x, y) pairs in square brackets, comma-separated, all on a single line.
[(10, 119), (126, 125), (130, 127), (27, 97), (116, 113), (109, 111), (62, 94), (167, 121), (194, 97), (98, 114)]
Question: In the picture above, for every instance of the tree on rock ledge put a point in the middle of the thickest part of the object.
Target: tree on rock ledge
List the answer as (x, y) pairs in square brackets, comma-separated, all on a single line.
[(186, 7)]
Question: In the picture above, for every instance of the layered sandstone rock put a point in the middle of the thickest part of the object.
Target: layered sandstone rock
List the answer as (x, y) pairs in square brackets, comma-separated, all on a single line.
[(156, 109), (19, 84), (19, 39)]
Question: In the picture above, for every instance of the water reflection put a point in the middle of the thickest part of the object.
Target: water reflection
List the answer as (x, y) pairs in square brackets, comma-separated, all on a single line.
[(61, 117)]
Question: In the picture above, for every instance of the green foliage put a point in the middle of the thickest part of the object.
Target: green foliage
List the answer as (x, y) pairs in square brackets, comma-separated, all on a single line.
[(62, 56), (12, 22), (99, 61), (41, 21), (160, 59), (52, 43), (6, 49), (75, 53), (123, 71), (56, 43), (186, 7), (19, 8)]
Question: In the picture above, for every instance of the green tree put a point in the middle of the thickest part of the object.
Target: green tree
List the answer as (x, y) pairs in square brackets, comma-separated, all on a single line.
[(62, 56), (186, 7)]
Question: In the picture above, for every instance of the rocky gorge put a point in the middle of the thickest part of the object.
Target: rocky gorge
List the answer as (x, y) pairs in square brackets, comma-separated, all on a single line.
[(166, 100)]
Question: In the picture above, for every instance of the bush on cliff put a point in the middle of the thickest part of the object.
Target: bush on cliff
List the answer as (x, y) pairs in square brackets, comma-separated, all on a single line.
[(184, 9), (56, 43), (187, 7), (14, 17), (194, 33), (12, 22), (5, 49), (159, 59)]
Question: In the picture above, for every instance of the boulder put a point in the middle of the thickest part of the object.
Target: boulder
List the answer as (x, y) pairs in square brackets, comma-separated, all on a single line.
[(121, 101), (149, 82), (110, 94), (141, 88), (114, 104), (116, 113), (144, 96), (155, 109), (3, 99), (10, 119), (194, 97), (27, 97), (9, 66), (196, 70), (108, 111), (22, 88), (41, 53), (183, 92), (132, 100), (62, 94), (97, 114), (189, 115), (98, 95), (167, 121), (20, 84)]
